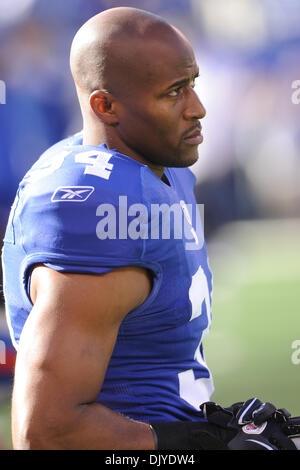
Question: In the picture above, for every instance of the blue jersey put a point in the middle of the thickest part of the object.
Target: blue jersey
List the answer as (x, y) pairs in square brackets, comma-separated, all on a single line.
[(88, 209)]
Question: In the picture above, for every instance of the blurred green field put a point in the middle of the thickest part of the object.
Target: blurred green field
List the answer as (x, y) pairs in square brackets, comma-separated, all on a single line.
[(256, 313), (5, 435)]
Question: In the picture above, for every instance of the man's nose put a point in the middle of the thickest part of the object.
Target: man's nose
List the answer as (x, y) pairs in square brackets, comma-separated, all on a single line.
[(194, 108)]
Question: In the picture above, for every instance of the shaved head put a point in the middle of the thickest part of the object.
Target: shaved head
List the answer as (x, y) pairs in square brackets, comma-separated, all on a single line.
[(134, 75), (107, 48)]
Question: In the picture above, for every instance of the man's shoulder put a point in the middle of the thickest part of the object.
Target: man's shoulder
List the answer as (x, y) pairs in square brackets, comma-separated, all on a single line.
[(68, 165), (69, 204)]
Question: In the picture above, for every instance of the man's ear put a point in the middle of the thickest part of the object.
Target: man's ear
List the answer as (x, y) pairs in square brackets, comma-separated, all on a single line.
[(102, 104)]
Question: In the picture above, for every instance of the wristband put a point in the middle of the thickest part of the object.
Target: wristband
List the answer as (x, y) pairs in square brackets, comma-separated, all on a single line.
[(190, 435)]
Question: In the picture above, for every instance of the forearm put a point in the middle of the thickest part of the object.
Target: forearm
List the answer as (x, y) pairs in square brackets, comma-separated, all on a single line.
[(88, 427)]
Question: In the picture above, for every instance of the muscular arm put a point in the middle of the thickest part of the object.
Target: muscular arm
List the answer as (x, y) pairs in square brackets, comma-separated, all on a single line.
[(62, 358)]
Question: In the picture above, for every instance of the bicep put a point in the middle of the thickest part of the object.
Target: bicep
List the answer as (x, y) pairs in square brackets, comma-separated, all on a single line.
[(68, 339)]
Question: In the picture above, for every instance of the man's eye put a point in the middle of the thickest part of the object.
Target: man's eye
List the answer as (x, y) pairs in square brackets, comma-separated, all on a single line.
[(177, 91), (174, 92)]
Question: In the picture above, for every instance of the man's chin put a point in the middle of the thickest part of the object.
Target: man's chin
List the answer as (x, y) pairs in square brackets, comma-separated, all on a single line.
[(177, 159), (183, 161)]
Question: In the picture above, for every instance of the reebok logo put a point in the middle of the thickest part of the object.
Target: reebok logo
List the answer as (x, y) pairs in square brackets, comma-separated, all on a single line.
[(72, 193)]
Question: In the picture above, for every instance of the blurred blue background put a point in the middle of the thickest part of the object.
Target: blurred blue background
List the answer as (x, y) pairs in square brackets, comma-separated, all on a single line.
[(249, 166)]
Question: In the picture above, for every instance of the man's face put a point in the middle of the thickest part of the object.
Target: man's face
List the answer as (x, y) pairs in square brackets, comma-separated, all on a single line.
[(159, 116)]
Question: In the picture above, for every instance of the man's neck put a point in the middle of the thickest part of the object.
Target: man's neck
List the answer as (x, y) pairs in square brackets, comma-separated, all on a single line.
[(96, 138)]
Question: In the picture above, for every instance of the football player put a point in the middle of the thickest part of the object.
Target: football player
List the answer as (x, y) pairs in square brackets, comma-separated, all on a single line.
[(106, 312)]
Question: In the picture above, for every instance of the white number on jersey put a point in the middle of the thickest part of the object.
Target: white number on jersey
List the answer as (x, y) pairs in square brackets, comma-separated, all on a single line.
[(197, 391), (97, 163), (42, 172)]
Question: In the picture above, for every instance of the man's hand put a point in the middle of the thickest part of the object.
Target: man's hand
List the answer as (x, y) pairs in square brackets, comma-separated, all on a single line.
[(259, 426), (267, 436), (249, 425)]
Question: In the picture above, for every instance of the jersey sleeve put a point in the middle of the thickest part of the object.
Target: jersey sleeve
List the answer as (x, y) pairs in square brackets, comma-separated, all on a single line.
[(78, 223)]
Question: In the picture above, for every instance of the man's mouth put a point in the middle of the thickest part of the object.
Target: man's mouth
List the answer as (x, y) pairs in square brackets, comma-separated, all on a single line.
[(194, 136)]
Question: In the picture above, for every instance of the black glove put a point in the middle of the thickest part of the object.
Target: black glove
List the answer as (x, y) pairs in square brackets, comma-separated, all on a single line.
[(267, 436), (191, 435), (259, 426)]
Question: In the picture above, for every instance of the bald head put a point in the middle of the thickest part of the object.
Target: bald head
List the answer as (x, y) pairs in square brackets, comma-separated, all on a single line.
[(134, 74), (108, 50)]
